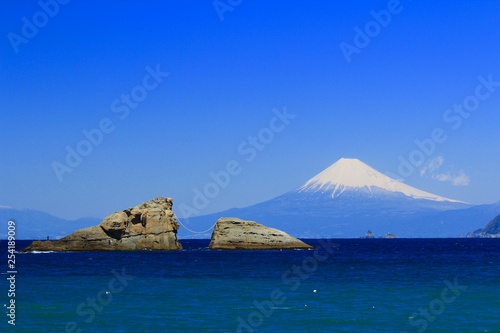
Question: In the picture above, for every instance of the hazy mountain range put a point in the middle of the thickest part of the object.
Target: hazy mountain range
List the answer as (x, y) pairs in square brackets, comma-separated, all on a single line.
[(345, 200), (349, 198), (34, 224)]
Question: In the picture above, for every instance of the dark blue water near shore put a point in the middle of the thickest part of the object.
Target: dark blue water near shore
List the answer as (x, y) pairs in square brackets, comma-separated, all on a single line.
[(345, 285)]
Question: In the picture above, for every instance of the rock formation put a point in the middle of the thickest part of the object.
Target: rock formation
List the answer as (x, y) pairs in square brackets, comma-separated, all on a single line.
[(493, 227), (369, 235), (236, 234), (491, 230), (150, 225)]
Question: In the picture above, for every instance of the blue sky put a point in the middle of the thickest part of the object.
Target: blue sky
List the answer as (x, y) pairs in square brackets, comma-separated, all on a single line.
[(277, 72)]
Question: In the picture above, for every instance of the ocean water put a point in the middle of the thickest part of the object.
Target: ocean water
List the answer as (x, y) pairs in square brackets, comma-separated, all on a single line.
[(345, 285)]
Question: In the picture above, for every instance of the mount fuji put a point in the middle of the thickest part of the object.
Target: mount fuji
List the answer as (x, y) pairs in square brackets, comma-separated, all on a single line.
[(347, 199), (350, 175)]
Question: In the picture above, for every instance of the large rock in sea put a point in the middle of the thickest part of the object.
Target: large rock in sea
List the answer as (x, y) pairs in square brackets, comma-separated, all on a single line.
[(148, 226), (235, 234)]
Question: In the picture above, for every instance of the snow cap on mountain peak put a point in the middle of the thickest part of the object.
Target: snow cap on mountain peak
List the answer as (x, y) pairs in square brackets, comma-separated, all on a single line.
[(351, 174)]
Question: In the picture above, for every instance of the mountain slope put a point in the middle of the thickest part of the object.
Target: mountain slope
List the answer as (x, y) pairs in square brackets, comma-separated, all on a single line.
[(492, 229), (348, 174), (349, 198), (34, 224)]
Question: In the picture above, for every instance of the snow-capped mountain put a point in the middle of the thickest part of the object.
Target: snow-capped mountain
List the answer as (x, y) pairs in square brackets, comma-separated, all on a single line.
[(344, 200), (350, 174), (350, 197)]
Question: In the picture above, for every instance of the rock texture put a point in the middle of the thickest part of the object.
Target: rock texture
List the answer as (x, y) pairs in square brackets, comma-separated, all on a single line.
[(236, 234), (148, 226), (491, 230)]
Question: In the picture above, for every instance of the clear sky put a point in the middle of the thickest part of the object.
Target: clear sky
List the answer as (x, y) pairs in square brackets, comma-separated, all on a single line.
[(262, 95)]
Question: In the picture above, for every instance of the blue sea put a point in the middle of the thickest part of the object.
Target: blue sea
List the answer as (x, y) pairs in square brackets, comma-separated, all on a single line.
[(344, 285)]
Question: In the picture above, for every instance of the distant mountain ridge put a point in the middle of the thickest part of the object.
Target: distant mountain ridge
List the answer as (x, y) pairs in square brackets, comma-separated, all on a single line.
[(343, 201), (35, 224), (347, 199)]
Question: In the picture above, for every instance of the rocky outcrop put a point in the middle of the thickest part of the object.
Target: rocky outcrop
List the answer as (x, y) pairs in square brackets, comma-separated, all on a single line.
[(493, 227), (236, 234), (148, 226), (369, 235), (491, 230)]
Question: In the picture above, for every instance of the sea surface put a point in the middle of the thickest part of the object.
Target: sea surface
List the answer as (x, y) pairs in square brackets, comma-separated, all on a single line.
[(345, 285)]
